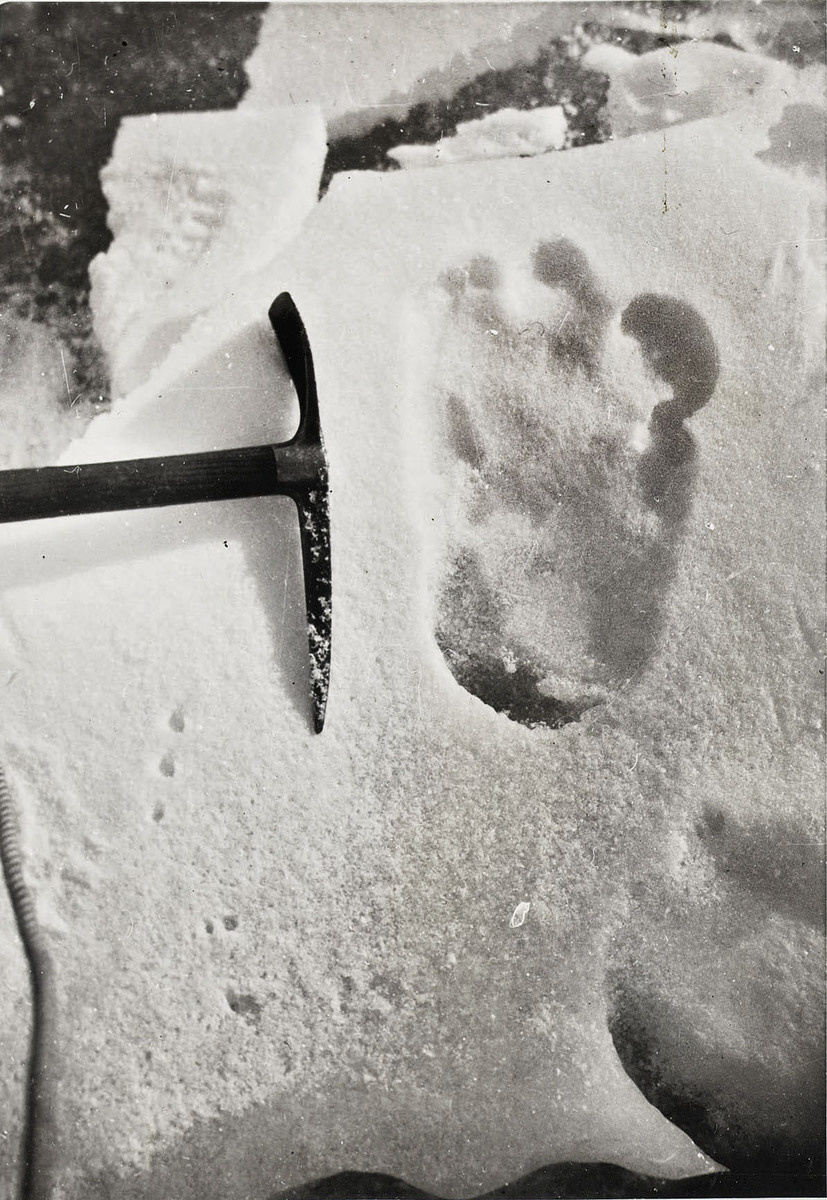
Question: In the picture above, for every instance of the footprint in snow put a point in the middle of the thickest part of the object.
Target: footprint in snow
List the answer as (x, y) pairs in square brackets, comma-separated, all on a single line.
[(166, 765), (565, 422)]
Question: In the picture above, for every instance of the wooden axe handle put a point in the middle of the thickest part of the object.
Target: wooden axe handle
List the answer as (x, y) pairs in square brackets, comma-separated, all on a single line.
[(35, 492)]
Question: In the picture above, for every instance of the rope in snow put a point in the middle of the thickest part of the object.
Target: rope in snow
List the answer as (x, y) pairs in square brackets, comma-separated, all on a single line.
[(35, 1178)]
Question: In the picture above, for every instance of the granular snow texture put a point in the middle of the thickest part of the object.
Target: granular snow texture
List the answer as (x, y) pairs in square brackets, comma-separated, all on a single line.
[(572, 405)]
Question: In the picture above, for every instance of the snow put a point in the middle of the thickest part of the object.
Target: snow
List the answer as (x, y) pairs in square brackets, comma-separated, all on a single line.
[(351, 60), (33, 385), (282, 955), (685, 82), (188, 225), (506, 133)]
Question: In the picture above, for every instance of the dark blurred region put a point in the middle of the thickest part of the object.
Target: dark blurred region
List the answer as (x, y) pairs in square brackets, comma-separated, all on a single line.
[(575, 1181)]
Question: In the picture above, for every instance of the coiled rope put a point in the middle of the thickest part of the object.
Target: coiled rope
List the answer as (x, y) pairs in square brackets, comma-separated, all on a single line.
[(38, 1128)]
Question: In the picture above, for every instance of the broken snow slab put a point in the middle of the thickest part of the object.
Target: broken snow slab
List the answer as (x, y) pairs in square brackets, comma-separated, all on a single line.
[(564, 821), (196, 201), (346, 58), (690, 81), (504, 133)]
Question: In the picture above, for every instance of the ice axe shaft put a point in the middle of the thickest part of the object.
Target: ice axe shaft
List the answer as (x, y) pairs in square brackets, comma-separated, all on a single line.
[(36, 492), (296, 468)]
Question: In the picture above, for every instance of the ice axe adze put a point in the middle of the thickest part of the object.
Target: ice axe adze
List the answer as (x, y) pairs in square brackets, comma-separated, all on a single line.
[(297, 468)]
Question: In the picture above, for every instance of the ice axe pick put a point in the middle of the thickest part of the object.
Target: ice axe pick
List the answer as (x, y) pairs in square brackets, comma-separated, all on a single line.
[(296, 468)]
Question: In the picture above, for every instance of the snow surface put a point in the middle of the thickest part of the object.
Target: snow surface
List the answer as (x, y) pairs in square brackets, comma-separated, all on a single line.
[(282, 955)]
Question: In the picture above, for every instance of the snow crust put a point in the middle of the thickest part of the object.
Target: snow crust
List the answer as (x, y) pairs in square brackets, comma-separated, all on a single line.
[(282, 955)]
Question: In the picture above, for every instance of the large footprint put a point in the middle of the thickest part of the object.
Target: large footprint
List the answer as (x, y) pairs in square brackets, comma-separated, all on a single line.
[(566, 423)]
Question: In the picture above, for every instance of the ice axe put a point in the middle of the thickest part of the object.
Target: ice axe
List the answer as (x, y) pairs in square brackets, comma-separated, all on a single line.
[(296, 468)]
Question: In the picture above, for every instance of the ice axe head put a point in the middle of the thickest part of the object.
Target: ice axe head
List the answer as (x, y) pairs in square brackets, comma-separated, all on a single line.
[(302, 471)]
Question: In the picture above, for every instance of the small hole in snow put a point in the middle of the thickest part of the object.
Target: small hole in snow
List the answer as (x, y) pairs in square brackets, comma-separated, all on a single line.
[(158, 812), (176, 720), (245, 1005), (231, 923), (715, 820), (210, 928), (167, 765)]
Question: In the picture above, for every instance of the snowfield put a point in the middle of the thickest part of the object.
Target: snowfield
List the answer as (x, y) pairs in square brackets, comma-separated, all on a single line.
[(566, 813)]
